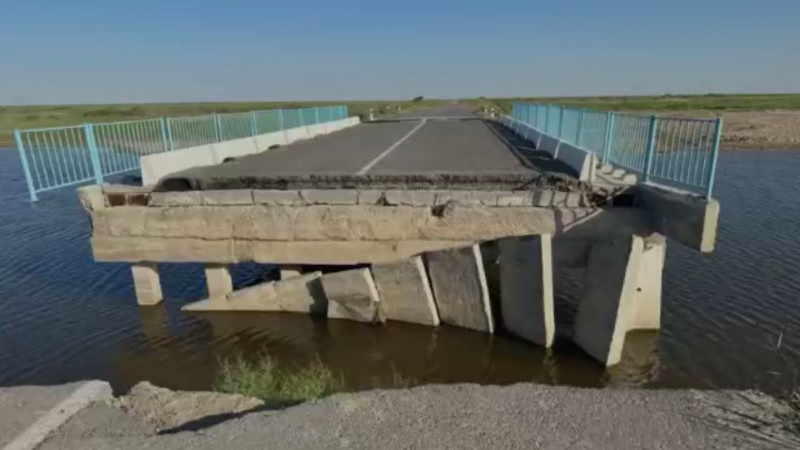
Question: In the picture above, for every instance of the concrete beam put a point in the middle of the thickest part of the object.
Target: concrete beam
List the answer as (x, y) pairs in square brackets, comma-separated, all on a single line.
[(606, 309), (526, 287), (688, 218), (460, 289), (405, 291), (134, 249), (451, 222), (147, 283)]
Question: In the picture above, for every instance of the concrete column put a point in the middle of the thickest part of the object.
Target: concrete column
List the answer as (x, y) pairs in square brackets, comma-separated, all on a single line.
[(459, 288), (526, 287), (647, 306), (146, 283), (290, 271), (218, 281), (606, 308)]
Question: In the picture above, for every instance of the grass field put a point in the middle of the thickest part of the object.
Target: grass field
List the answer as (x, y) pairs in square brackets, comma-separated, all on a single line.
[(23, 117), (711, 102), (745, 121)]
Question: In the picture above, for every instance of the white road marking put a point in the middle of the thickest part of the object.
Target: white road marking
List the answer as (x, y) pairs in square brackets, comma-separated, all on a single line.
[(372, 163)]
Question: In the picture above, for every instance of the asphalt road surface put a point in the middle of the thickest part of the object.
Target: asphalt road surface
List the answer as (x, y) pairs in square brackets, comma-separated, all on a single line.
[(446, 140)]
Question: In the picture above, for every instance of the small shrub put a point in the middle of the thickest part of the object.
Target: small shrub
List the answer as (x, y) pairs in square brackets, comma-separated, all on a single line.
[(265, 380), (791, 421)]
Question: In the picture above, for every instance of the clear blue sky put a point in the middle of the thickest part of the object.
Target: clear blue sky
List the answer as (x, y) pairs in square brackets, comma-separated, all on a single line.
[(92, 51)]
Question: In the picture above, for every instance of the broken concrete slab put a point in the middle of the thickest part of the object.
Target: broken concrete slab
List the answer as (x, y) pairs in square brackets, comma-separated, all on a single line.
[(526, 287), (352, 295), (301, 294), (459, 288), (405, 291)]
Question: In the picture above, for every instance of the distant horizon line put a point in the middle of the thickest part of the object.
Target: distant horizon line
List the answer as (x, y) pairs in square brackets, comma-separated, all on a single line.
[(601, 96)]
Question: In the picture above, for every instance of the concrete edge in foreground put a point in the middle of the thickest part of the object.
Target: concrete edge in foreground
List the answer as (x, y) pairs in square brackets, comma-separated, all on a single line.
[(90, 392)]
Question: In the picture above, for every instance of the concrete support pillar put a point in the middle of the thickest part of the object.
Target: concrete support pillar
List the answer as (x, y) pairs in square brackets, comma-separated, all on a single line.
[(647, 306), (606, 308), (146, 283), (218, 281), (526, 287), (290, 271), (459, 288)]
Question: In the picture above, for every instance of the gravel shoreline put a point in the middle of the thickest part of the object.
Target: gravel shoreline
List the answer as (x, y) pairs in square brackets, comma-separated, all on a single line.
[(464, 416)]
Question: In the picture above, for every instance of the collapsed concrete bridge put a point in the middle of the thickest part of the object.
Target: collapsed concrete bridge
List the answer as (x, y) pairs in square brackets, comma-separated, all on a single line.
[(420, 216)]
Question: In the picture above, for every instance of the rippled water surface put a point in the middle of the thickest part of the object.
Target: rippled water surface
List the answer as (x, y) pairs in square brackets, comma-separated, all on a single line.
[(731, 319)]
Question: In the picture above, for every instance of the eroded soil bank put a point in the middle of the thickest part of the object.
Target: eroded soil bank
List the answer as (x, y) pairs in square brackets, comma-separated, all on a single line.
[(753, 130)]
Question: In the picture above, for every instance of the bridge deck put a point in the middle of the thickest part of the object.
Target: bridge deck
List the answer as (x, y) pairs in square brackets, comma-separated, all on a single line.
[(448, 140)]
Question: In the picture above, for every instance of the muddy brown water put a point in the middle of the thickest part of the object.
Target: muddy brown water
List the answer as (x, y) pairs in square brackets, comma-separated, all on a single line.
[(731, 319)]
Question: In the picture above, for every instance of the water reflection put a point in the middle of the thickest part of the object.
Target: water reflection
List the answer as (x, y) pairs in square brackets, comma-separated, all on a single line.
[(370, 356)]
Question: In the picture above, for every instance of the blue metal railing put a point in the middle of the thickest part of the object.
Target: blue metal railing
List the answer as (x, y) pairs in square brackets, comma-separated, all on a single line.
[(673, 151), (62, 156)]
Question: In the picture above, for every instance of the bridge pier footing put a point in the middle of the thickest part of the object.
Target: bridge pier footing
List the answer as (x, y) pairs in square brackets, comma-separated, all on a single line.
[(147, 283), (526, 287), (218, 281), (647, 311), (622, 293)]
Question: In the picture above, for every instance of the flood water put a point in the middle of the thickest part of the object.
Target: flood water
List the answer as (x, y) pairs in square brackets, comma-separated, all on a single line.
[(730, 320)]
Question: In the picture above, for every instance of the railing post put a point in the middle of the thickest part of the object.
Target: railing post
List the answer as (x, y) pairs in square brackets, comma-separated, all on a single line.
[(253, 123), (712, 170), (94, 155), (164, 142), (169, 134), (609, 141), (280, 119), (547, 119), (23, 157), (579, 133), (560, 121), (316, 115), (651, 145), (218, 127), (535, 115)]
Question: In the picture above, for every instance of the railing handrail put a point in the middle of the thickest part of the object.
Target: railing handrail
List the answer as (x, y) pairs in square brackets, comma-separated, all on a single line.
[(675, 150), (67, 155)]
